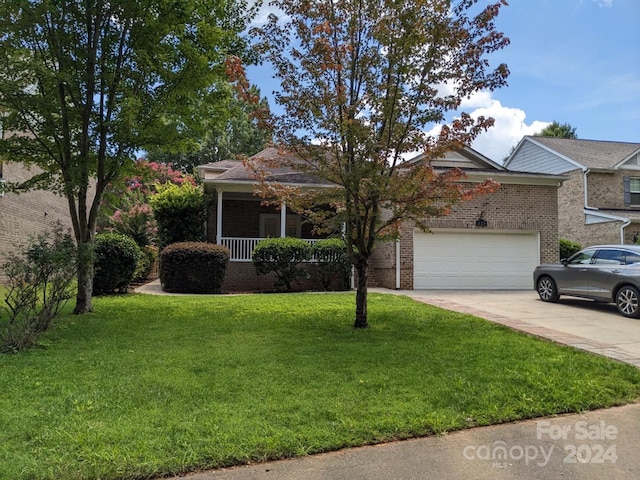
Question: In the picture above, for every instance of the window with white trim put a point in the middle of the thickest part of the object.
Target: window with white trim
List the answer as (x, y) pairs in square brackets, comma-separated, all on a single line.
[(634, 190)]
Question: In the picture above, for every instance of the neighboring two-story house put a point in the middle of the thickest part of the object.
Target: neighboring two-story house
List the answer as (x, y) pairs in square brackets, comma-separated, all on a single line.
[(600, 201)]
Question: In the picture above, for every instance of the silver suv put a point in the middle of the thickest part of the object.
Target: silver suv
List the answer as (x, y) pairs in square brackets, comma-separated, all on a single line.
[(606, 273)]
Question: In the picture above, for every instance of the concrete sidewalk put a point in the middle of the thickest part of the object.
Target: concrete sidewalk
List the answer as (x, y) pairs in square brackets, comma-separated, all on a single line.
[(602, 444)]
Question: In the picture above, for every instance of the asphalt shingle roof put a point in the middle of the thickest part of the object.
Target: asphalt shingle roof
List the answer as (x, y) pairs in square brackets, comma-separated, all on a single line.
[(241, 173), (590, 153)]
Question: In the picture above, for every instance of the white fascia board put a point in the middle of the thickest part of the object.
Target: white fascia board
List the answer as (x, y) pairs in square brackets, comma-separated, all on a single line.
[(482, 158), (515, 179), (605, 217), (515, 150), (621, 165), (247, 186)]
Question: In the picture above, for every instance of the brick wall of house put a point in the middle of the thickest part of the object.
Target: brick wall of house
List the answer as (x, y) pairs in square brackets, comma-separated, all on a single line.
[(605, 191), (27, 214), (571, 218), (531, 208)]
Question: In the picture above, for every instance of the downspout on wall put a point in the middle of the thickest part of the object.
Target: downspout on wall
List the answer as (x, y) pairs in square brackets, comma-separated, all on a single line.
[(585, 174), (624, 225)]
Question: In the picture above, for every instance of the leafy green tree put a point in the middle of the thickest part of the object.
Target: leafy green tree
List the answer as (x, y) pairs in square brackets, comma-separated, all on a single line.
[(125, 206), (363, 80), (240, 134), (84, 85), (180, 212), (555, 129)]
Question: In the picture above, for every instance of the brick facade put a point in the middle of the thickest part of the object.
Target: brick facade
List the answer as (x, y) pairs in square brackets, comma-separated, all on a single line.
[(27, 214), (605, 191), (530, 208)]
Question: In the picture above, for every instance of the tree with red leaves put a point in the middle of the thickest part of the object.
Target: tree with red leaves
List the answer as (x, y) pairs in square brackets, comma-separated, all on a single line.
[(361, 82)]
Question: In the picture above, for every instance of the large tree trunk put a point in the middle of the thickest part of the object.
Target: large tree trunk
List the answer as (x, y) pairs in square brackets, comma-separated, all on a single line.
[(84, 297), (361, 267)]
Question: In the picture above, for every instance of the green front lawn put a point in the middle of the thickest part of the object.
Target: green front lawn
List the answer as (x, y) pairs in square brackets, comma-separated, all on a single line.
[(150, 386)]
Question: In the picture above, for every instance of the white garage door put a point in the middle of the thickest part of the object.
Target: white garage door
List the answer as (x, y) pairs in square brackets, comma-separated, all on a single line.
[(474, 260)]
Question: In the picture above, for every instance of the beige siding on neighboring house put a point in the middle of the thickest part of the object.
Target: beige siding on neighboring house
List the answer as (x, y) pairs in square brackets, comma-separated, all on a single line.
[(26, 214)]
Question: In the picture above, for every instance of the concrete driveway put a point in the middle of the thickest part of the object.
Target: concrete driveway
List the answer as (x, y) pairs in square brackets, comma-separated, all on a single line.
[(584, 324)]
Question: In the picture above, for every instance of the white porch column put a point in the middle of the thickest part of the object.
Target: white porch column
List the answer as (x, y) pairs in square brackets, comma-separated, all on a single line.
[(398, 264), (283, 220), (219, 219)]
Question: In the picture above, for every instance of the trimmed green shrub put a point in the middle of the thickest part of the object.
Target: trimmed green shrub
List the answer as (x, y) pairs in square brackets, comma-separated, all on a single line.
[(193, 267), (332, 262), (145, 265), (180, 212), (116, 258), (282, 256), (40, 282), (568, 248)]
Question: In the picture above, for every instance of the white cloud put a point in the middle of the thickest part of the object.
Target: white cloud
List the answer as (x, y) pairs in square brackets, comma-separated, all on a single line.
[(264, 11), (604, 3), (508, 129)]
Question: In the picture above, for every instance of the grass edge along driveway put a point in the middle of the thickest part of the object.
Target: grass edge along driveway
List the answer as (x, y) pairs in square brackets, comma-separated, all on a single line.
[(151, 385)]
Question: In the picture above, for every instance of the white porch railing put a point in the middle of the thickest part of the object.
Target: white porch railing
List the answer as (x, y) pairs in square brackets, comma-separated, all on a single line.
[(242, 248)]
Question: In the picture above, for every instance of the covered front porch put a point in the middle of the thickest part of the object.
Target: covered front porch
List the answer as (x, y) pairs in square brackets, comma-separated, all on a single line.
[(241, 221), (238, 219)]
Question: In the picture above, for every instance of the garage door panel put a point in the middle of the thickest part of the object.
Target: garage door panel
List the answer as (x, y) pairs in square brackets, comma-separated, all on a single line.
[(473, 260)]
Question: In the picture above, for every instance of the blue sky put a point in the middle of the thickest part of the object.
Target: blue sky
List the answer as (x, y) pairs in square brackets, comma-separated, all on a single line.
[(573, 61)]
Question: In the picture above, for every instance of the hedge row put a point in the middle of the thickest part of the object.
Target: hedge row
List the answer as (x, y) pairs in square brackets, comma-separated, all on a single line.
[(193, 267)]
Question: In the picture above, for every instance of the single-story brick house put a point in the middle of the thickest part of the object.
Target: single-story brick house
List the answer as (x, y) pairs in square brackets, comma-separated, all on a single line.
[(494, 241), (599, 203)]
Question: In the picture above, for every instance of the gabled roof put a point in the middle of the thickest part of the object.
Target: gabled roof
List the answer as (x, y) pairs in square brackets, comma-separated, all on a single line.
[(477, 167), (234, 172), (234, 175), (465, 159), (594, 154)]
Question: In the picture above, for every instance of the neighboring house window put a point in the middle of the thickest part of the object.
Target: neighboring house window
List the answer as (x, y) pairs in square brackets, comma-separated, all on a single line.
[(270, 225), (632, 190)]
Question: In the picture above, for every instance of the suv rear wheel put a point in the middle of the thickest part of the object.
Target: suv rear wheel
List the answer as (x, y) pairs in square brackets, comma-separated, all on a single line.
[(628, 301)]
